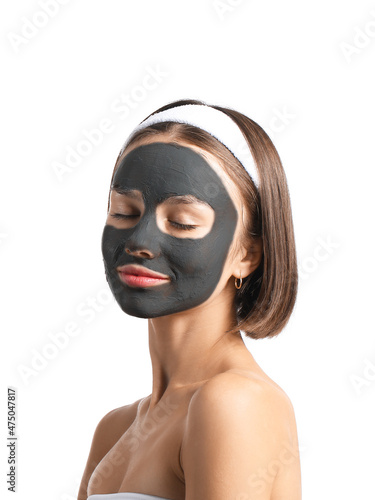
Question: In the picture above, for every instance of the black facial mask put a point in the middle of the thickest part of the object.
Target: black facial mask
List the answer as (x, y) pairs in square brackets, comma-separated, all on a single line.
[(161, 170)]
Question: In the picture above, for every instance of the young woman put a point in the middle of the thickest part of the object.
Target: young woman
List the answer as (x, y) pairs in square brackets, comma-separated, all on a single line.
[(199, 239)]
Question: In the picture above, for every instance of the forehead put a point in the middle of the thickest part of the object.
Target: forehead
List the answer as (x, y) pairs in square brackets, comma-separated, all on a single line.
[(160, 170)]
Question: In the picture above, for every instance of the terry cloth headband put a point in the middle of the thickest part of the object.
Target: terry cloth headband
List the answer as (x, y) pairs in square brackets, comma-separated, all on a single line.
[(213, 121)]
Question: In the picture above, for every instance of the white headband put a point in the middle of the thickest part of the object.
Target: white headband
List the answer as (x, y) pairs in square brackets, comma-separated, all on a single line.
[(213, 121)]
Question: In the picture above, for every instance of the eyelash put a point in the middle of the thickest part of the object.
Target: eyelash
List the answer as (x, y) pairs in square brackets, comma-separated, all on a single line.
[(184, 227)]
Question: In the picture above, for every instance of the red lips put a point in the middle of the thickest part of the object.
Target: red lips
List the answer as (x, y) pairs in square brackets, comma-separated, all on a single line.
[(137, 270)]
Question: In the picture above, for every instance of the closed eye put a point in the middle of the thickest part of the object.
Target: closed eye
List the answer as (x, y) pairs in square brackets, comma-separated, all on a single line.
[(178, 225), (123, 216), (185, 227)]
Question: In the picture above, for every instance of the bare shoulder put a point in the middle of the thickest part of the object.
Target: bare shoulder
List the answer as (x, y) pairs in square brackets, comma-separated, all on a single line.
[(235, 391), (107, 432), (238, 426)]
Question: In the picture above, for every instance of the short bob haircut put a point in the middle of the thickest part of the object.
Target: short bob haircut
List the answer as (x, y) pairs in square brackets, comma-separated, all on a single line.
[(267, 297)]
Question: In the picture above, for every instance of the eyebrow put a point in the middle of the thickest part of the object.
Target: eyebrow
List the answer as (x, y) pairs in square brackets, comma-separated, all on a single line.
[(186, 199), (131, 193), (171, 199)]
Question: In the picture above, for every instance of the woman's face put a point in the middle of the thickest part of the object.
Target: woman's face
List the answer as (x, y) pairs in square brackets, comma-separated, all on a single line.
[(171, 214)]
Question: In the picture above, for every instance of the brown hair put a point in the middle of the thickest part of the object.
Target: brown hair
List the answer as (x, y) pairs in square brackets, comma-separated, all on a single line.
[(266, 299)]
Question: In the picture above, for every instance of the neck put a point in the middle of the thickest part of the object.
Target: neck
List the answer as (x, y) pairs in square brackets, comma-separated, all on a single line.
[(189, 347)]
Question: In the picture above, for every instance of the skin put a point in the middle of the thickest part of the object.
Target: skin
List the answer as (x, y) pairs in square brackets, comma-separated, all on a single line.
[(215, 426)]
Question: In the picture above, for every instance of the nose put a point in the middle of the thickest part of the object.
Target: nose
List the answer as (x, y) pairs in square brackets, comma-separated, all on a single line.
[(143, 253), (143, 241)]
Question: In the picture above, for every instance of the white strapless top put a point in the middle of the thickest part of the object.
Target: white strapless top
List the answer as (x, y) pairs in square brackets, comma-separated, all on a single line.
[(124, 496)]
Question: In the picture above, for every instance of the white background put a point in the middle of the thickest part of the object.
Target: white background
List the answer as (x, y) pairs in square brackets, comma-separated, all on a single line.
[(303, 71)]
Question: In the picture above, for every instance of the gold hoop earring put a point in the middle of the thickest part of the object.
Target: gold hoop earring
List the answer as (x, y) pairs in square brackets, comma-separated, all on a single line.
[(236, 284)]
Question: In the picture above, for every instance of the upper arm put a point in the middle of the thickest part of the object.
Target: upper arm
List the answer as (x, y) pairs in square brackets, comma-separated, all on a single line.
[(236, 433), (107, 433)]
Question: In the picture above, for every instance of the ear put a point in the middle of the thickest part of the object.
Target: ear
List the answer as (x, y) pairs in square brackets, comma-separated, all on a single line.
[(251, 258)]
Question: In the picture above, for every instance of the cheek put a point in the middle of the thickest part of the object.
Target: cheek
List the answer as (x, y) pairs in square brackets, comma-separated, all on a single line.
[(186, 256), (113, 244), (198, 257)]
